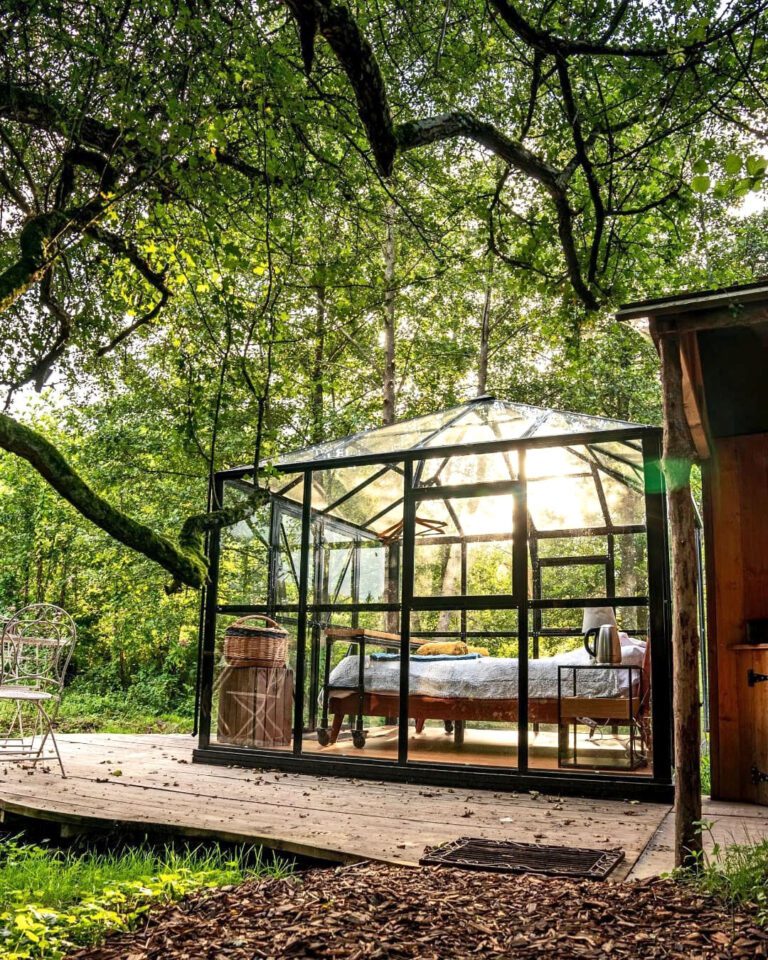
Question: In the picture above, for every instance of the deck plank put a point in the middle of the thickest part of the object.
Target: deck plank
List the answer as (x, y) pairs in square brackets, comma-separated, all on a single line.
[(342, 820)]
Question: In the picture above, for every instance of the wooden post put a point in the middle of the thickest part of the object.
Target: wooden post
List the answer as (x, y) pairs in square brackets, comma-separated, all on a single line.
[(678, 457)]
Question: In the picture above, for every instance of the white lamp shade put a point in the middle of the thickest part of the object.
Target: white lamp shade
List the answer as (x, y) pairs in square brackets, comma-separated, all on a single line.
[(596, 617)]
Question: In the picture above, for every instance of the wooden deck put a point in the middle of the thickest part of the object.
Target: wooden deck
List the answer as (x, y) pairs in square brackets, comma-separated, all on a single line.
[(150, 783)]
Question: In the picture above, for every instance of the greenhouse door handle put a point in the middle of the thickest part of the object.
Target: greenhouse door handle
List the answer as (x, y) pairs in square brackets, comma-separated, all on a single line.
[(754, 678), (758, 776)]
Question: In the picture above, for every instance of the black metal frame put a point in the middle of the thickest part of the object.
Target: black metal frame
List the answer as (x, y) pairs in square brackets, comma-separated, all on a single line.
[(656, 786)]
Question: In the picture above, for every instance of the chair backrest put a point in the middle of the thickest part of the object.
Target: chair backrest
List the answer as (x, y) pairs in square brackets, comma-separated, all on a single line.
[(37, 645)]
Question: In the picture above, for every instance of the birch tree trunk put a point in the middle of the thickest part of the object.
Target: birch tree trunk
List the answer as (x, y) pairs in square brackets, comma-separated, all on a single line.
[(485, 336), (318, 369), (679, 454), (390, 255), (389, 402)]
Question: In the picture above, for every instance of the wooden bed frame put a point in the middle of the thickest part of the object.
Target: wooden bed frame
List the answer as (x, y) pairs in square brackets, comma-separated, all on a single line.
[(456, 711)]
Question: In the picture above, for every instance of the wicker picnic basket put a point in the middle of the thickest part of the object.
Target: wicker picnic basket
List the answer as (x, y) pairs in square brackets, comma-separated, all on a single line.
[(251, 644)]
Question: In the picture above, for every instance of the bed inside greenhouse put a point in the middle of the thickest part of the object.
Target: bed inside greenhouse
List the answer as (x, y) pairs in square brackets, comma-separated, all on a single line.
[(478, 596)]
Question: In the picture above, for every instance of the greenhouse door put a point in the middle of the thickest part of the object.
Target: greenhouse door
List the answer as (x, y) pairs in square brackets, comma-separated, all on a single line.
[(464, 589)]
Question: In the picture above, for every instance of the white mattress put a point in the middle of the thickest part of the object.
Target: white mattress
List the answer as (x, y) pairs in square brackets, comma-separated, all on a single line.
[(490, 678)]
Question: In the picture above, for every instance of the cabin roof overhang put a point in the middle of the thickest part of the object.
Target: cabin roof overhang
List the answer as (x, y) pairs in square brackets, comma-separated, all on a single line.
[(691, 311), (721, 336)]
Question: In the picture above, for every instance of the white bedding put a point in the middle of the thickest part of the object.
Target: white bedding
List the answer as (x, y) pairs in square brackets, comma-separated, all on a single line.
[(490, 678)]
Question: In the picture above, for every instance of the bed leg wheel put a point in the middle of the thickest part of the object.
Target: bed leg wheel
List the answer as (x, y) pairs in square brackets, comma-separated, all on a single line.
[(323, 737), (358, 739), (448, 724)]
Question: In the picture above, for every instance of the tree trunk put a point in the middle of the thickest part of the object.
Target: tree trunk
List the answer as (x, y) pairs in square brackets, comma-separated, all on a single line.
[(389, 394), (450, 582), (39, 589), (629, 586), (679, 455), (318, 369), (485, 336), (389, 398)]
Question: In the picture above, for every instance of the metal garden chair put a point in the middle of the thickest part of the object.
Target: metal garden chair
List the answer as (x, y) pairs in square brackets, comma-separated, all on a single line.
[(36, 647)]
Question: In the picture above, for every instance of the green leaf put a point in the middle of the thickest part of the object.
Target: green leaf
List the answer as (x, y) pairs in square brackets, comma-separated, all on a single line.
[(700, 184), (756, 165), (732, 164), (700, 166), (742, 187)]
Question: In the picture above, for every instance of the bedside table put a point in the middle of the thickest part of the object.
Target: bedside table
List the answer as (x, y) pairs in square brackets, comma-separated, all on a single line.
[(577, 705)]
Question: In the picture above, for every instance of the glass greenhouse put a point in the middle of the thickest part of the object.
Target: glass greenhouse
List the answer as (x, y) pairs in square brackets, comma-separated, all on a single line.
[(428, 585)]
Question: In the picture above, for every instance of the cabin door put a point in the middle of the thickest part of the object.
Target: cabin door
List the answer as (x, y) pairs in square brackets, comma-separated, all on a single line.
[(736, 501)]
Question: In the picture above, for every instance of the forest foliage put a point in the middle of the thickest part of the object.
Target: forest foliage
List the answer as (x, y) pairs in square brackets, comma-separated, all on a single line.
[(231, 228)]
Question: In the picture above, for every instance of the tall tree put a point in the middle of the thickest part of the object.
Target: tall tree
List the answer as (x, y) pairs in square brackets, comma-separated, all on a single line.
[(389, 386)]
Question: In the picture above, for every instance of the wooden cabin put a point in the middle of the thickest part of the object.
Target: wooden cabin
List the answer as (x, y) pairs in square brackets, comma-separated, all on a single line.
[(722, 338)]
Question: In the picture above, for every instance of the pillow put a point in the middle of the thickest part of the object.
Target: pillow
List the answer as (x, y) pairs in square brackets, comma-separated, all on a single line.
[(632, 650), (453, 648)]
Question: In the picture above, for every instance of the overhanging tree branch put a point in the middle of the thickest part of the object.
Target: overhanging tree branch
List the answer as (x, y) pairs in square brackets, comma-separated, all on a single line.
[(25, 106), (184, 560), (582, 155), (156, 278), (37, 253), (188, 565), (355, 54), (550, 43), (458, 123)]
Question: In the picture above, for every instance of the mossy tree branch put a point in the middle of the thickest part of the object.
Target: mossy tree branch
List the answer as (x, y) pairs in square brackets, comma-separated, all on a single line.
[(185, 559)]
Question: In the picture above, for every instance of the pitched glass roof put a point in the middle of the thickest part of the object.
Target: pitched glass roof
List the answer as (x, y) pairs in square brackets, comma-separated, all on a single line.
[(480, 420), (584, 482)]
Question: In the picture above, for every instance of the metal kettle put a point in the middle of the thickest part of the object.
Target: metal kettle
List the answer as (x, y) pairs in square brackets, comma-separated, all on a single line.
[(607, 647)]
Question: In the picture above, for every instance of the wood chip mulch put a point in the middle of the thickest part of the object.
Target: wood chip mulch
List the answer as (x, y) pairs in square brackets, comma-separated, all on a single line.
[(371, 910)]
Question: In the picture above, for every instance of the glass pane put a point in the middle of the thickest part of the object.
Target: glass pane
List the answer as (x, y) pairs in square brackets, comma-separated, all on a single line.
[(626, 505), (572, 581), (244, 556), (357, 519), (479, 421), (584, 714), (624, 460), (559, 421), (564, 503), (356, 570), (632, 577), (289, 487), (288, 558), (357, 701), (471, 554), (399, 436), (463, 688), (570, 567), (475, 468), (370, 498)]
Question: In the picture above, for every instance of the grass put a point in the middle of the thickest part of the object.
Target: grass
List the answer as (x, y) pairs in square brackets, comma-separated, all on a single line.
[(737, 874), (54, 900), (84, 711), (706, 774)]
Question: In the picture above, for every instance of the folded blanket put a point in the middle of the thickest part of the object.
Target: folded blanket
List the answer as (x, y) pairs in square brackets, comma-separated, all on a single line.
[(438, 648), (430, 658)]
